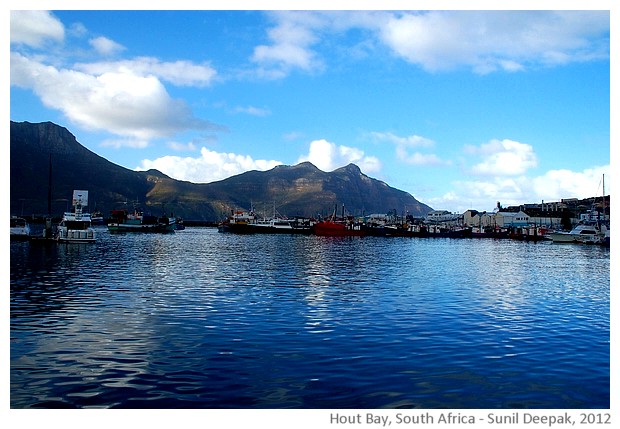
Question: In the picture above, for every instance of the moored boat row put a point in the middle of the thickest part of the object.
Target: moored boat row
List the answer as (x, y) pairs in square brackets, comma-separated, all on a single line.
[(348, 226), (76, 226), (241, 222)]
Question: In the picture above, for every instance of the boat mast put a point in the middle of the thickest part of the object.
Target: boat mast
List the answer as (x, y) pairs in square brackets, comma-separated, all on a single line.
[(604, 197), (49, 189)]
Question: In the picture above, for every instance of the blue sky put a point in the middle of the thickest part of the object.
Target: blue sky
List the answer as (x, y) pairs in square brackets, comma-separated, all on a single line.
[(459, 108)]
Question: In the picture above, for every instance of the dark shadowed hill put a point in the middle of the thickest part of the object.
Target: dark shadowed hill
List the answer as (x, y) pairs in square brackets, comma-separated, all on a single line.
[(299, 190)]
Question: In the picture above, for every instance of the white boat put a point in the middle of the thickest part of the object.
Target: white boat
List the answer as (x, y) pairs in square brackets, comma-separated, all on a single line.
[(20, 230), (585, 233), (282, 226), (76, 226)]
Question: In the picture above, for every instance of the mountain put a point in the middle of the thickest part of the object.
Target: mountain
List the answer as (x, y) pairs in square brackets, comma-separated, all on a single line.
[(300, 190)]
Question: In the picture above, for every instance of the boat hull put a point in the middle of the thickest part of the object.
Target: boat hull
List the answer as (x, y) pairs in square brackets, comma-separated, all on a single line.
[(236, 228), (120, 227), (76, 236), (334, 229)]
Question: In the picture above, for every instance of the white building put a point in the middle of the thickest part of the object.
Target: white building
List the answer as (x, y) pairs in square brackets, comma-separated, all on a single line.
[(478, 219), (508, 219)]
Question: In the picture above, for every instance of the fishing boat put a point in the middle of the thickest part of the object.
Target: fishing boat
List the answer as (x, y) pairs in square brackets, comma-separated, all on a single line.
[(336, 228), (343, 227), (239, 222), (76, 226), (280, 225), (137, 221), (97, 218), (20, 230), (178, 224)]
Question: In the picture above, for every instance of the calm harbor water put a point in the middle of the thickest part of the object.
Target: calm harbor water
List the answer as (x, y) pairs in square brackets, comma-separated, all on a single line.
[(201, 319)]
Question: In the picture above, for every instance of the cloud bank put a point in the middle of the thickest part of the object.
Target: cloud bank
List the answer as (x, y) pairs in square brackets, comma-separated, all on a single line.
[(482, 41), (211, 166)]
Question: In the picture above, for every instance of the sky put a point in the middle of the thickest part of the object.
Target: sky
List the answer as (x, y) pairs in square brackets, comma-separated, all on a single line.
[(460, 108)]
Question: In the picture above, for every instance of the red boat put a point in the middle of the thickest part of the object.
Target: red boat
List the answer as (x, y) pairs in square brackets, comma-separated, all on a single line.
[(330, 228)]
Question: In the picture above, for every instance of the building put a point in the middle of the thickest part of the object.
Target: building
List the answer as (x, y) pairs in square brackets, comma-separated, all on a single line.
[(511, 219), (473, 218)]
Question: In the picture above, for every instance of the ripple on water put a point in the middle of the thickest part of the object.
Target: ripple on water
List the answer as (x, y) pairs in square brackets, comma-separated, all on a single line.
[(198, 319)]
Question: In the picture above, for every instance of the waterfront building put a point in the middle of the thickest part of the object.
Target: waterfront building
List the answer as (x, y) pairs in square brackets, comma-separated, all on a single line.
[(510, 219), (478, 219)]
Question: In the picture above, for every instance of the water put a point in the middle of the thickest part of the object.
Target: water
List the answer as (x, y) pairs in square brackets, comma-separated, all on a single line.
[(200, 319)]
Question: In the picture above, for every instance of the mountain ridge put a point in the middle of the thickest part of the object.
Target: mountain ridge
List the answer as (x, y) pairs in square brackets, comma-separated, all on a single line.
[(297, 190)]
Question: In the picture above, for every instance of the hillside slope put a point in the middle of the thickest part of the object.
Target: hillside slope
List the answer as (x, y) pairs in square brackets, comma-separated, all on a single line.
[(299, 190)]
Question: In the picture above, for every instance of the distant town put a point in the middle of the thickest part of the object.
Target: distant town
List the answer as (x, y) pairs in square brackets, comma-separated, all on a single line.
[(563, 214)]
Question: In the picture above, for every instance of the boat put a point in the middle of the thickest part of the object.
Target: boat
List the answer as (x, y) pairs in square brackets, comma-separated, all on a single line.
[(586, 233), (343, 227), (592, 229), (97, 218), (76, 226), (282, 226), (239, 222), (20, 229), (178, 224), (136, 221), (388, 230), (336, 228)]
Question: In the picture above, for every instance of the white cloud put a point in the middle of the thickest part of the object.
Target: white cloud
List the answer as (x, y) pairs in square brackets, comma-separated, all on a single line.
[(554, 185), (125, 143), (209, 167), (181, 147), (409, 141), (35, 28), (254, 111), (293, 135), (296, 37), (182, 73), (291, 38), (487, 41), (483, 41), (405, 144), (105, 46), (328, 156), (502, 174), (212, 166), (417, 158), (121, 102), (503, 158)]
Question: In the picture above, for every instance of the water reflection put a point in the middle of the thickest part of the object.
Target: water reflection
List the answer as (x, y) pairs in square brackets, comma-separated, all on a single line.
[(208, 320)]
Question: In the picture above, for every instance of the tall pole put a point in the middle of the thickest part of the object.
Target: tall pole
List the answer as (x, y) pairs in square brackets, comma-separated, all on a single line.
[(604, 204), (49, 189)]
